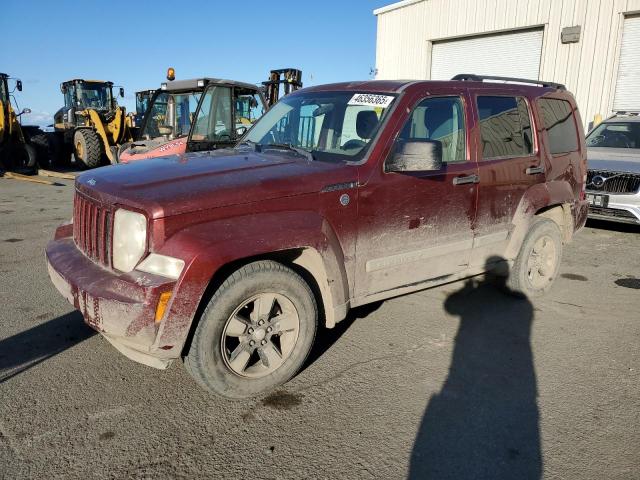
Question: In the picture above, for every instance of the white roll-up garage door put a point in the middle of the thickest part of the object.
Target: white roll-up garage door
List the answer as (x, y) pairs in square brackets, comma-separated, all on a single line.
[(628, 82), (510, 54)]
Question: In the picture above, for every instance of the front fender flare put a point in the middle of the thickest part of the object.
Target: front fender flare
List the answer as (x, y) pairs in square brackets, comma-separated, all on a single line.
[(210, 246)]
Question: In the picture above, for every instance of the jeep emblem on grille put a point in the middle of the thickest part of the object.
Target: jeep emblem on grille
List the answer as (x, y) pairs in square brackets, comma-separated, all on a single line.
[(91, 181)]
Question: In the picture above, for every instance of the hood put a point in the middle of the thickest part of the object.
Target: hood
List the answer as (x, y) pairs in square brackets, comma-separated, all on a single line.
[(199, 181), (614, 159)]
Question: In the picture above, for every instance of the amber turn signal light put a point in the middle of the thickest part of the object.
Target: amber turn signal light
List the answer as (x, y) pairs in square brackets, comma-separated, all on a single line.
[(171, 74), (162, 305)]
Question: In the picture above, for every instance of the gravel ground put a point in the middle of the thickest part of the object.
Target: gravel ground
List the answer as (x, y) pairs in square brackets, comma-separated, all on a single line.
[(460, 381)]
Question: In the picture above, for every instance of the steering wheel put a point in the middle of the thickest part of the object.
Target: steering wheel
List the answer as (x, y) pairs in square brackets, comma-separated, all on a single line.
[(354, 143)]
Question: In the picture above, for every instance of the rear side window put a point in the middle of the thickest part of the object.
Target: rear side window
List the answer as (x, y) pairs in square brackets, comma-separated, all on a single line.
[(559, 124), (505, 127)]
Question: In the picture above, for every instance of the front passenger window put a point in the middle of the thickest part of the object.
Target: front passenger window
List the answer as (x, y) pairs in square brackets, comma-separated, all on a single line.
[(440, 119)]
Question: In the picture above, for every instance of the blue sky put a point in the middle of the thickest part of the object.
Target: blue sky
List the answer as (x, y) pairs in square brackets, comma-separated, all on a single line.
[(56, 40)]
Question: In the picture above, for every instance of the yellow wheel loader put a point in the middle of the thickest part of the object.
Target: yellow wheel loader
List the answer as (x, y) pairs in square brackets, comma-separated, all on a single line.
[(21, 147), (91, 125)]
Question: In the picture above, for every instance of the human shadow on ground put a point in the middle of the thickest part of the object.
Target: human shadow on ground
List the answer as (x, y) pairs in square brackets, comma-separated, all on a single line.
[(31, 347), (483, 424)]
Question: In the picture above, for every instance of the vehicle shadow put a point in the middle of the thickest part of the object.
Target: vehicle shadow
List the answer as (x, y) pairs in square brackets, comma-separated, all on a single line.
[(614, 226), (35, 345), (483, 424), (326, 337)]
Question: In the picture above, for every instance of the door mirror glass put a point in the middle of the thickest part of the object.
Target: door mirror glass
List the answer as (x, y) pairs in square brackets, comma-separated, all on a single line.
[(416, 156), (121, 92), (19, 85)]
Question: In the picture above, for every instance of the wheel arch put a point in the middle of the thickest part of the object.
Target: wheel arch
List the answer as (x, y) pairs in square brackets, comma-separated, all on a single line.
[(552, 200), (305, 261), (308, 245)]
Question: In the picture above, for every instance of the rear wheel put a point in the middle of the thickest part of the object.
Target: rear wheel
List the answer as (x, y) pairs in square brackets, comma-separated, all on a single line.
[(87, 148), (538, 262), (255, 333)]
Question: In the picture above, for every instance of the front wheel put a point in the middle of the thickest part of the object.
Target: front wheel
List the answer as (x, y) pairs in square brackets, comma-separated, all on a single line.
[(537, 264), (255, 333), (87, 148), (23, 159)]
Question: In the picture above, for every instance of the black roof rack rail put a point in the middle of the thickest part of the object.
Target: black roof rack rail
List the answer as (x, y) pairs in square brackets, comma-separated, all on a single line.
[(471, 77)]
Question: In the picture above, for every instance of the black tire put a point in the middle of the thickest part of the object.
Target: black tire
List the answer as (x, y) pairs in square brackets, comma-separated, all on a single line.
[(60, 153), (204, 360), (44, 151), (87, 148), (23, 159), (529, 281)]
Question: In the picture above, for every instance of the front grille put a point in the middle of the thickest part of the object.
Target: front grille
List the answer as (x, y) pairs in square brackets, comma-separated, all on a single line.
[(92, 227), (614, 182), (612, 212)]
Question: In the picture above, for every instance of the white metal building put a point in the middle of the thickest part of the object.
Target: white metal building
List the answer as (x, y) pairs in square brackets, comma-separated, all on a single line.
[(591, 46)]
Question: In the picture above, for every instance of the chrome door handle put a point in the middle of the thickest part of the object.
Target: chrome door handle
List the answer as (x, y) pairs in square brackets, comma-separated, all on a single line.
[(467, 179), (534, 170)]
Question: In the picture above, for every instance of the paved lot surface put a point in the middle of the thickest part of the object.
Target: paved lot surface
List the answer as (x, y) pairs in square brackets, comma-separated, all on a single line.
[(455, 382)]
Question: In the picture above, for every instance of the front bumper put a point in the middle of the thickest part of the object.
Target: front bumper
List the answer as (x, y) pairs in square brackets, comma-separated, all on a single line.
[(621, 207), (119, 306)]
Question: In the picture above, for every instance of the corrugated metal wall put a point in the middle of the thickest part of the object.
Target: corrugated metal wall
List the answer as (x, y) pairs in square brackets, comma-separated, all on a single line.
[(588, 68)]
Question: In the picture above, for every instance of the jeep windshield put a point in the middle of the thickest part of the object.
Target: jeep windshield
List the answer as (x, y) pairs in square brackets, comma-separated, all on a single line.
[(326, 126), (615, 135), (170, 115), (94, 95)]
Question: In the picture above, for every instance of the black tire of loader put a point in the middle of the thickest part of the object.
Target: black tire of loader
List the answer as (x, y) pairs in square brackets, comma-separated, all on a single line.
[(44, 152), (23, 159), (91, 146)]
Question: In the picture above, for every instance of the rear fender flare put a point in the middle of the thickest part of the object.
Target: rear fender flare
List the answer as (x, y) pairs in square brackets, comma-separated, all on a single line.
[(537, 200)]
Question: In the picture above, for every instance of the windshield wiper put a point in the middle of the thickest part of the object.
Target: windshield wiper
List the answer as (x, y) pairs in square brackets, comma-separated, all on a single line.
[(287, 146)]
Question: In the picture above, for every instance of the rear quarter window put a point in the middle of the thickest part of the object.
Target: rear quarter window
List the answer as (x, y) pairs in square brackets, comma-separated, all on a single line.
[(558, 118)]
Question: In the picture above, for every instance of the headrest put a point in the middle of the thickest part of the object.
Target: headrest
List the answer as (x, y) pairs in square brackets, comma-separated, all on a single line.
[(366, 123)]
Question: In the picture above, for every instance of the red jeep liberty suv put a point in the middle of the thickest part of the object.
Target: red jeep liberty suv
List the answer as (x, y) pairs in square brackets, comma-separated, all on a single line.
[(340, 195)]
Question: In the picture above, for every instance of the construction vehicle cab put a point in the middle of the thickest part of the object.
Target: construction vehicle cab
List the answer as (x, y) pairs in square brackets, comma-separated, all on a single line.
[(21, 147), (216, 111), (91, 124), (143, 100), (204, 114)]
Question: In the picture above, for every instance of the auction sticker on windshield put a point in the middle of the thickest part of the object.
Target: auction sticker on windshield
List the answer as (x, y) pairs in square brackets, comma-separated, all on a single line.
[(371, 100)]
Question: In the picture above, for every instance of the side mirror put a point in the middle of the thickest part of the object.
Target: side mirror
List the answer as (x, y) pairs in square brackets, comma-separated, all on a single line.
[(19, 85), (241, 130), (121, 92), (416, 156), (63, 89), (25, 110)]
